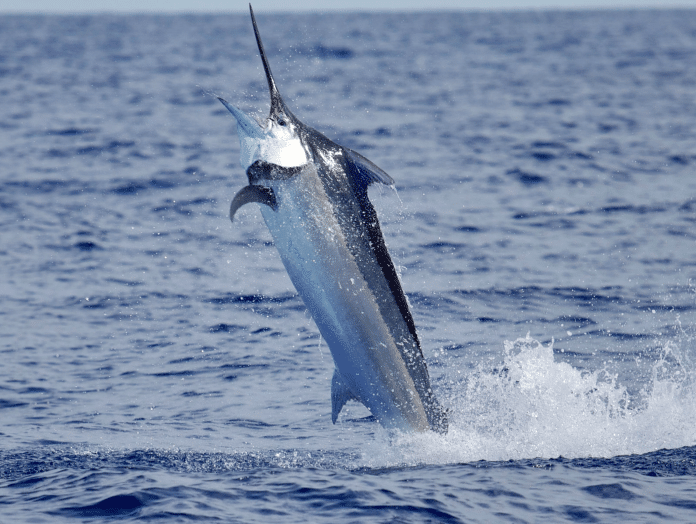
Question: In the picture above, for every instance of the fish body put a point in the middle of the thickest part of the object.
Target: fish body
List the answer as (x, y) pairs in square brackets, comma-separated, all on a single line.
[(313, 196)]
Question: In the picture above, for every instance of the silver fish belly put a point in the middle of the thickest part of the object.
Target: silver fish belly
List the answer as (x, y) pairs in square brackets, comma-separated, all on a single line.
[(347, 305)]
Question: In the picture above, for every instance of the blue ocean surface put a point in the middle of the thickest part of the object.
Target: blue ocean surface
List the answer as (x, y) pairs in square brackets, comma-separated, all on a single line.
[(157, 364)]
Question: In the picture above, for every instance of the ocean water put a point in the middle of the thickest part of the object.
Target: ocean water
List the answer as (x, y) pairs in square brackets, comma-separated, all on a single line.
[(157, 364)]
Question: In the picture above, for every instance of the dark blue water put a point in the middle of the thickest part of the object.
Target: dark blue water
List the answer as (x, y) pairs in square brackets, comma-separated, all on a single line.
[(156, 363)]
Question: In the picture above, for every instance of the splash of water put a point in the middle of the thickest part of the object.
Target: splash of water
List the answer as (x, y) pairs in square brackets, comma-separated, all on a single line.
[(534, 406)]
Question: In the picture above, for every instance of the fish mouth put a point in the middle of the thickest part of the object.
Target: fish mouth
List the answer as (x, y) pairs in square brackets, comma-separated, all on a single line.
[(247, 125)]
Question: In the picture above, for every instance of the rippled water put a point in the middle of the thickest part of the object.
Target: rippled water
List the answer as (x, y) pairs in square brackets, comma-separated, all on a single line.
[(157, 363)]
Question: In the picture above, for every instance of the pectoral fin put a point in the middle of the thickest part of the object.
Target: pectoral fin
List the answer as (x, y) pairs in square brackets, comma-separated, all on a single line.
[(259, 194), (340, 394)]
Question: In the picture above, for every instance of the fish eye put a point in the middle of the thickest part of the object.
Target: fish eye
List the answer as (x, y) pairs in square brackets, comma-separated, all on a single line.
[(281, 122)]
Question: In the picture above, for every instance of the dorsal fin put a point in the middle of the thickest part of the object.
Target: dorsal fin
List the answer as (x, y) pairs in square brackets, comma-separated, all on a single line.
[(366, 169)]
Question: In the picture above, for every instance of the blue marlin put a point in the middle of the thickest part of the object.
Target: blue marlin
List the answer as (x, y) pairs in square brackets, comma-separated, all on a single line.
[(313, 196)]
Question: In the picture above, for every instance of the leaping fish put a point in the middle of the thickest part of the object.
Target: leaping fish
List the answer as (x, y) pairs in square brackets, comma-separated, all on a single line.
[(313, 196)]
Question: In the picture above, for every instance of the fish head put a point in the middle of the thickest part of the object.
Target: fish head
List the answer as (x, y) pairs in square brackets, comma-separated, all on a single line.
[(277, 140)]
